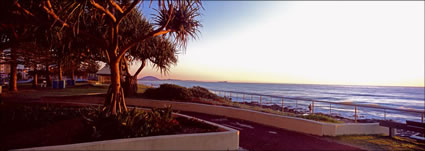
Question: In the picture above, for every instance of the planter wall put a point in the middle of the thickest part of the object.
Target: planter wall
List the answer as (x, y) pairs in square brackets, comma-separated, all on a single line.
[(227, 139), (279, 121)]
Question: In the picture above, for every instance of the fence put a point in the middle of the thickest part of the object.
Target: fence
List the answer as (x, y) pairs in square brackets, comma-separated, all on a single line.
[(315, 106), (346, 109)]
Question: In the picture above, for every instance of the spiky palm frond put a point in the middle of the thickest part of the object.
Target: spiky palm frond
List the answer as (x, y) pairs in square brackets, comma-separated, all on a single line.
[(181, 20)]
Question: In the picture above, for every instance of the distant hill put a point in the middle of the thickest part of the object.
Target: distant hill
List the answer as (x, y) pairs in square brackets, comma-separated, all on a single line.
[(149, 78)]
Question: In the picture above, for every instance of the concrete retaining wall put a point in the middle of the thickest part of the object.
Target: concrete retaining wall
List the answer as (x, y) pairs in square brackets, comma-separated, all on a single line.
[(228, 139), (279, 121)]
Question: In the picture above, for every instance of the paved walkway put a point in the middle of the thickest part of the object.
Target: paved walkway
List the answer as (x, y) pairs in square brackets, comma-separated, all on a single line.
[(253, 136)]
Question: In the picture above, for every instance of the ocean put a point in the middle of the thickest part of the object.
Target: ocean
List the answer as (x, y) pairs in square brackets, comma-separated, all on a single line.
[(385, 96)]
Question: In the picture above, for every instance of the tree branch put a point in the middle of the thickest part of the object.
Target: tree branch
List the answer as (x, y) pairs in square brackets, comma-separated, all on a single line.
[(126, 66), (140, 68), (23, 9), (128, 10), (56, 17), (103, 10), (154, 33), (116, 6)]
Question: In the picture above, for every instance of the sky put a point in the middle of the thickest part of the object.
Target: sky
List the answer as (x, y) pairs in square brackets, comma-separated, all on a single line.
[(305, 42)]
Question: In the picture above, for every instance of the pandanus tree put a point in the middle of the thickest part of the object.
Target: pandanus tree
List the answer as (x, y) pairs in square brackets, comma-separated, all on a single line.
[(161, 52), (100, 23)]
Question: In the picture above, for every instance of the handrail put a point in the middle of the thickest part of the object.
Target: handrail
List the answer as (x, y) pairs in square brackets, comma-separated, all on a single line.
[(339, 103)]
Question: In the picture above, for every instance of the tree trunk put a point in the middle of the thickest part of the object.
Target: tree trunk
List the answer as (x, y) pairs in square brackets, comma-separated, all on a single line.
[(35, 79), (48, 78), (13, 76), (60, 72), (115, 101), (73, 74), (13, 72), (130, 86)]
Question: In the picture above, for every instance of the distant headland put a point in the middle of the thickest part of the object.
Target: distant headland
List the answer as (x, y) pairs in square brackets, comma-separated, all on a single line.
[(149, 78)]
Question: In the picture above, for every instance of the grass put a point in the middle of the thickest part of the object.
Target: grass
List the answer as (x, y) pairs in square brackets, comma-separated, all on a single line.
[(380, 142), (25, 93), (315, 117)]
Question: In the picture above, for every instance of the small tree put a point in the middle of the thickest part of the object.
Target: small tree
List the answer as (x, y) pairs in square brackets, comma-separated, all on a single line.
[(158, 50)]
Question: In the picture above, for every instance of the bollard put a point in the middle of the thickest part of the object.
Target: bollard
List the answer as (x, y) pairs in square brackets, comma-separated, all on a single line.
[(330, 108), (385, 114), (312, 106), (260, 100), (355, 114), (282, 105)]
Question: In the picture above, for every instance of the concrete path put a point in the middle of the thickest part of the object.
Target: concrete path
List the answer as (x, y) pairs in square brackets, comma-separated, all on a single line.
[(255, 136)]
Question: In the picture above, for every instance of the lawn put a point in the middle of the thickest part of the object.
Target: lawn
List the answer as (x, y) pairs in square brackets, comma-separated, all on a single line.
[(380, 142)]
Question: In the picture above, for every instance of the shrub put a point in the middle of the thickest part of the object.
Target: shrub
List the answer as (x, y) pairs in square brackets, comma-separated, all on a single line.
[(168, 92), (135, 123), (320, 117), (200, 92), (175, 92)]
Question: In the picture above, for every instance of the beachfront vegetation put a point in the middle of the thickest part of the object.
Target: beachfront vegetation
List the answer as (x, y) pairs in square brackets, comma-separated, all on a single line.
[(179, 93)]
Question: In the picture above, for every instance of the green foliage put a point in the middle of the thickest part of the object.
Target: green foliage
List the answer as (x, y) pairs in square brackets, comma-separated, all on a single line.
[(38, 114), (168, 92), (175, 92), (319, 117), (135, 123), (200, 92), (381, 142)]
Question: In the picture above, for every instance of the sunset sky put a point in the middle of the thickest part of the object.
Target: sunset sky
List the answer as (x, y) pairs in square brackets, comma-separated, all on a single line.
[(323, 42)]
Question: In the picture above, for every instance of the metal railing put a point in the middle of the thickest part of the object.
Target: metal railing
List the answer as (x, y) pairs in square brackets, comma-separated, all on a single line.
[(325, 107), (316, 106)]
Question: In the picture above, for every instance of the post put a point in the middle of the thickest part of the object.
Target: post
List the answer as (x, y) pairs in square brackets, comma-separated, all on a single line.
[(296, 104), (243, 98), (355, 114), (251, 98), (422, 117), (385, 114), (312, 106), (282, 105), (260, 100), (330, 108)]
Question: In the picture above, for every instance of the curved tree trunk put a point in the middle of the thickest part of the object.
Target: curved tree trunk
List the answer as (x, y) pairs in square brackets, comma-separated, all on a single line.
[(130, 85)]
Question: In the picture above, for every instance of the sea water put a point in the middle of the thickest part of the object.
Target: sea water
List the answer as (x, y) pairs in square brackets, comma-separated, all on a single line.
[(386, 96)]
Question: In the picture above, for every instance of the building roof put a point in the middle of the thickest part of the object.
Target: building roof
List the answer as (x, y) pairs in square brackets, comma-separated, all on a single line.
[(104, 71)]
